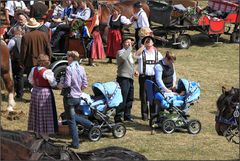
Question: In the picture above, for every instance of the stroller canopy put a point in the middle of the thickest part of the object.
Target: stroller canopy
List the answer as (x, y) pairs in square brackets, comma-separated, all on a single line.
[(192, 89), (110, 90)]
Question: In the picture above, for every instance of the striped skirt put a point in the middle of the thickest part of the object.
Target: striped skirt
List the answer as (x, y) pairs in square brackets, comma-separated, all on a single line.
[(42, 113)]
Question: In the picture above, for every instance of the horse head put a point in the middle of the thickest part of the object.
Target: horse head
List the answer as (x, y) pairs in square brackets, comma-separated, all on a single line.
[(227, 110), (33, 146)]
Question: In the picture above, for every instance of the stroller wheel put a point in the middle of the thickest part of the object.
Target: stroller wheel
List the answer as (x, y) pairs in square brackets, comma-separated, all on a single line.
[(119, 130), (168, 126), (194, 126), (94, 133)]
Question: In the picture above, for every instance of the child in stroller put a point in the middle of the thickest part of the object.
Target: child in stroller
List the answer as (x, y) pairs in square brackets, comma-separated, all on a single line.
[(170, 109), (99, 108)]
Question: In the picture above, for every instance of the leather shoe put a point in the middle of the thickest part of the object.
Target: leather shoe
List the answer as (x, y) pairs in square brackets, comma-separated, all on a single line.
[(117, 120), (73, 146), (129, 119)]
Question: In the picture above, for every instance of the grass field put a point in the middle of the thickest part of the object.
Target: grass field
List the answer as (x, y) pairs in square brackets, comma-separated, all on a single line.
[(213, 66)]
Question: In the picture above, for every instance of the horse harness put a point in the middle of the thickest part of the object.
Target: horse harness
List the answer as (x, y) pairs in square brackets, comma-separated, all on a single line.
[(232, 123), (38, 153)]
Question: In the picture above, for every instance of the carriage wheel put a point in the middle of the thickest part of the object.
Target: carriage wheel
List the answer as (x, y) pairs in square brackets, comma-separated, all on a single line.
[(184, 41), (168, 126), (94, 133), (194, 126), (59, 71), (235, 37), (119, 130)]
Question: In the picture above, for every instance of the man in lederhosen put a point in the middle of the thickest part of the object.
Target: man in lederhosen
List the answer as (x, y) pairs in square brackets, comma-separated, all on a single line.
[(148, 57), (139, 20)]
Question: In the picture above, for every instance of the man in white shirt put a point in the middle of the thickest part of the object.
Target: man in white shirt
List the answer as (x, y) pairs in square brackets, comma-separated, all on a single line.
[(11, 7), (139, 20), (148, 57)]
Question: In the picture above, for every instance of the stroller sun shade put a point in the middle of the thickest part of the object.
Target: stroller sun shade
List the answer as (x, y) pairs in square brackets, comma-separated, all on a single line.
[(192, 89), (110, 90)]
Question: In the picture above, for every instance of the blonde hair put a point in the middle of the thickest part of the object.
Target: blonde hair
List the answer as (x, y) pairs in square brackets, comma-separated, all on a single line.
[(74, 54), (145, 31), (43, 60)]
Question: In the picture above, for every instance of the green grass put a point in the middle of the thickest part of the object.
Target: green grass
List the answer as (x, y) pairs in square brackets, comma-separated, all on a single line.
[(213, 66)]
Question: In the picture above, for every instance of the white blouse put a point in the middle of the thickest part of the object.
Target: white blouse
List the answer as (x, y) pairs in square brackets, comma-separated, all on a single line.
[(123, 19)]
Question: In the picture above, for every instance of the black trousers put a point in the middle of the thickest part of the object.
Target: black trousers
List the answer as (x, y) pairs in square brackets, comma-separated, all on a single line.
[(58, 38), (142, 93), (127, 90), (18, 78), (137, 38)]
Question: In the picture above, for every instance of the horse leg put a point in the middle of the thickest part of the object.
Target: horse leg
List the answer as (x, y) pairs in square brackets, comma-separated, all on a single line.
[(10, 88)]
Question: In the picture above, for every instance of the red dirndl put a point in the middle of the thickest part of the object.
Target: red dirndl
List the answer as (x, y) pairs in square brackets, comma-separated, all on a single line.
[(114, 40), (97, 51)]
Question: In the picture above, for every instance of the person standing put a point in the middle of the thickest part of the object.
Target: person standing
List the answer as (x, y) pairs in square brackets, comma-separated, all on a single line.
[(148, 57), (139, 20), (166, 74), (10, 9), (33, 44), (74, 82), (114, 35), (42, 112), (125, 74), (15, 46), (96, 49)]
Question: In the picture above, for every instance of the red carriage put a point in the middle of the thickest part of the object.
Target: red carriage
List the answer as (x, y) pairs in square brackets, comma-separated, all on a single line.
[(219, 17)]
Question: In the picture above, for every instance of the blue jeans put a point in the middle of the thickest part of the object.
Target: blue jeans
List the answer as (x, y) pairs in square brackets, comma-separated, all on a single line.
[(69, 106)]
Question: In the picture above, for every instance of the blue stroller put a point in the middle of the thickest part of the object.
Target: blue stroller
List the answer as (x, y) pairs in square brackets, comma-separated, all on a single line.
[(170, 111), (100, 107)]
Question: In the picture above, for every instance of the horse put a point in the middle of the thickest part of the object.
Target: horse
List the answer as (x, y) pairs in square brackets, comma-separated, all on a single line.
[(227, 117), (126, 7), (33, 146), (6, 74)]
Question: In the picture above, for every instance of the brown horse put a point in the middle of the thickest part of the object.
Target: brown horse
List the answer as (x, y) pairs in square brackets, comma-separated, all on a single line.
[(31, 146), (6, 74), (227, 117), (104, 11)]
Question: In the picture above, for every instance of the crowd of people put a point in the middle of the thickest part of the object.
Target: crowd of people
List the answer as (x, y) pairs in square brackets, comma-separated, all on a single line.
[(31, 36)]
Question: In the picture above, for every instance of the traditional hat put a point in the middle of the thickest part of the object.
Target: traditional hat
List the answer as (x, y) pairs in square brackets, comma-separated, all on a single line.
[(127, 38), (137, 5), (32, 23), (147, 37)]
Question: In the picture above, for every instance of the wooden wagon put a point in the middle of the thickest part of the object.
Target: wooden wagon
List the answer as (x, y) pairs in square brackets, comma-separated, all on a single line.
[(175, 19)]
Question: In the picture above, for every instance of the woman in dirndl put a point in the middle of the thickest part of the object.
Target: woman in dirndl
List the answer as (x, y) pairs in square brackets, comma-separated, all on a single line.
[(97, 49), (42, 113), (116, 22)]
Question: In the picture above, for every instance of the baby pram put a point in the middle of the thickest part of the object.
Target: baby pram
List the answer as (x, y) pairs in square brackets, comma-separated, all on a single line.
[(171, 110), (99, 109)]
